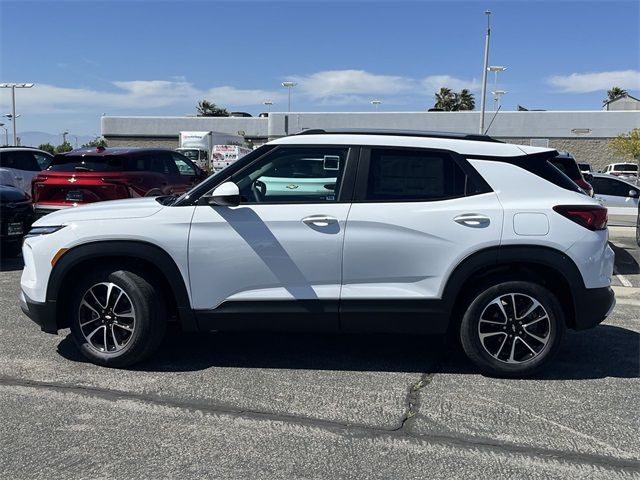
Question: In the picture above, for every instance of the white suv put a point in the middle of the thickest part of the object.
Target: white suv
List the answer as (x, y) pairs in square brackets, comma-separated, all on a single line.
[(18, 166), (411, 232)]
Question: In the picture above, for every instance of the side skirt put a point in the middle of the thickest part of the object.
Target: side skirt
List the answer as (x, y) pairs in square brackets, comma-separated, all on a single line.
[(353, 316)]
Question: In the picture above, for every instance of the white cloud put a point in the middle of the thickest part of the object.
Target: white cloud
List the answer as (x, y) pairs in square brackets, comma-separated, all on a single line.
[(133, 95), (593, 82), (343, 87), (177, 95), (350, 82), (434, 83)]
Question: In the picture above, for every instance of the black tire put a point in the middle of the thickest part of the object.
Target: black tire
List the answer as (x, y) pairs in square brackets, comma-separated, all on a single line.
[(154, 192), (486, 302), (10, 250), (150, 317)]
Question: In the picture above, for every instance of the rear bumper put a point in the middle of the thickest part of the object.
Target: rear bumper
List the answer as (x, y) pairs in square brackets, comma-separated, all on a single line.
[(43, 314), (592, 306)]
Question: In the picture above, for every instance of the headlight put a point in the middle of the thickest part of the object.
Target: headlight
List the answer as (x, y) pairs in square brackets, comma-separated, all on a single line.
[(37, 231)]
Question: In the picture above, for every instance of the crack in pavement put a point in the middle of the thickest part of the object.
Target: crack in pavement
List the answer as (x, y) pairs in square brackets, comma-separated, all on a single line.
[(412, 399), (460, 440)]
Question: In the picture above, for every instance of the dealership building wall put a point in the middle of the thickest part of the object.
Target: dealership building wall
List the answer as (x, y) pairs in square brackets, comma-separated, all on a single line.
[(584, 133)]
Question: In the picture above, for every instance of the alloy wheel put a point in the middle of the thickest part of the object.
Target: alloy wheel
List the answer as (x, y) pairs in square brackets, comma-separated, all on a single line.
[(514, 328), (107, 317)]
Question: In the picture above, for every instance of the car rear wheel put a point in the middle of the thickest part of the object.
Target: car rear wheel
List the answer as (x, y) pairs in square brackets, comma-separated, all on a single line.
[(512, 329), (118, 318)]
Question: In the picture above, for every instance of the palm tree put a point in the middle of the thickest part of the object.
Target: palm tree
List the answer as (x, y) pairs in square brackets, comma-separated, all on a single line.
[(614, 93), (450, 101), (445, 99), (209, 109), (465, 100)]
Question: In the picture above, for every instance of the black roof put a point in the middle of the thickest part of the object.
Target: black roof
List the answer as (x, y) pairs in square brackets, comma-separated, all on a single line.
[(22, 147), (101, 151), (400, 133)]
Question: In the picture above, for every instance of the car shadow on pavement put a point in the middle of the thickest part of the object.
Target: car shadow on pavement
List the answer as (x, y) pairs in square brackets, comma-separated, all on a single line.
[(605, 351), (626, 264), (11, 264)]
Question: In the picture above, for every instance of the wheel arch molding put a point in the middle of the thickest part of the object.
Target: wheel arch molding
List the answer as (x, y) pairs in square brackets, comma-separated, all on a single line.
[(134, 251), (539, 264)]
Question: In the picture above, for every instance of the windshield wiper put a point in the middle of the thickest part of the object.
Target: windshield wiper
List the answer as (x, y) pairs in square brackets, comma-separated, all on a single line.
[(80, 168)]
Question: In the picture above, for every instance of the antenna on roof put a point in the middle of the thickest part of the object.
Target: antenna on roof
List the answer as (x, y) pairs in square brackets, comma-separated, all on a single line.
[(494, 117)]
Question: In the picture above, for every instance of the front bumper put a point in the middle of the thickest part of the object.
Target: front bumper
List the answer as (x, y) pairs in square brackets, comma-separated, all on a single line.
[(43, 314), (592, 306)]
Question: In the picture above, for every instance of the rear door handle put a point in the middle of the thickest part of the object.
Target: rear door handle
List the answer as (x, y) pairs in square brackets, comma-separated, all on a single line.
[(473, 220), (319, 220)]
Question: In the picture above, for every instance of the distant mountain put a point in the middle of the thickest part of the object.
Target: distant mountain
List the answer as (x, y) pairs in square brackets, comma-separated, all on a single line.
[(33, 139)]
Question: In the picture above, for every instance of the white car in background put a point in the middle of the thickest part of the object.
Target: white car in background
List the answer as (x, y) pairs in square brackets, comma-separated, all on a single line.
[(18, 165), (619, 196), (623, 170)]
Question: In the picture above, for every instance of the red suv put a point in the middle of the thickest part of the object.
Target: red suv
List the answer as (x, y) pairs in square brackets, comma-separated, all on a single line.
[(97, 174)]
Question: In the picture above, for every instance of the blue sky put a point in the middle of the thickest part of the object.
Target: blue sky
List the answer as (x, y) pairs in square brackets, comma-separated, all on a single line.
[(160, 57)]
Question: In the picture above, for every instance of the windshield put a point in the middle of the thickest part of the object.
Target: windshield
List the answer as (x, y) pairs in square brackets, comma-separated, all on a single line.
[(194, 154), (626, 167), (74, 163)]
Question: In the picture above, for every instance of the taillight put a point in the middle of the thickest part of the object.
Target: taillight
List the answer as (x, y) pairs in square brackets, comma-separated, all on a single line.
[(591, 217)]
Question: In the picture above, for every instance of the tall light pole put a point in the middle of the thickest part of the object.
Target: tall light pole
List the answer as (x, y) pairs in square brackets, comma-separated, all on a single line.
[(6, 134), (268, 104), (496, 70), (289, 86), (376, 104), (484, 71), (497, 95), (13, 87), (64, 136)]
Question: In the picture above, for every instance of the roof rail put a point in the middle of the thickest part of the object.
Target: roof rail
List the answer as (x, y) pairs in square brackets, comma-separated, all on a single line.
[(399, 133)]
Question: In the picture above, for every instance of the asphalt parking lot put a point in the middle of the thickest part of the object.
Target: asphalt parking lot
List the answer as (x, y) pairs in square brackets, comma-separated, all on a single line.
[(319, 406)]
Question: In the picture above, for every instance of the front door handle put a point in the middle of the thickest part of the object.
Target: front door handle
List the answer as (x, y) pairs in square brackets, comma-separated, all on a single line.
[(473, 220), (319, 220)]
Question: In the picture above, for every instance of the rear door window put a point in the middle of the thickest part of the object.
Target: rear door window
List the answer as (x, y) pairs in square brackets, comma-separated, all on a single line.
[(413, 175)]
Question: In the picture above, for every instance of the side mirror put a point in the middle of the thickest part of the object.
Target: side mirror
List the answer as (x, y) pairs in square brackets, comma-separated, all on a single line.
[(588, 177), (225, 195), (633, 193)]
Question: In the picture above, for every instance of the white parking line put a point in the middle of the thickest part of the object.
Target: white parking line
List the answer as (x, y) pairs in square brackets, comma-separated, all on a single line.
[(622, 279)]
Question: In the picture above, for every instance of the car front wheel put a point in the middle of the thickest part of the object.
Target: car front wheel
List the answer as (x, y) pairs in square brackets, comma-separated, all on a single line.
[(118, 318), (512, 329)]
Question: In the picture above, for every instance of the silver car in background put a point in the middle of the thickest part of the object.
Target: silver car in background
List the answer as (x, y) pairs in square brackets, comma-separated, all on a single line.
[(619, 196)]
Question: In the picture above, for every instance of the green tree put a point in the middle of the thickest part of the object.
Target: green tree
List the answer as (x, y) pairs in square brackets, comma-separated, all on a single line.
[(64, 147), (47, 147), (465, 100), (209, 109), (450, 101), (96, 142), (614, 93), (445, 99), (627, 145)]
